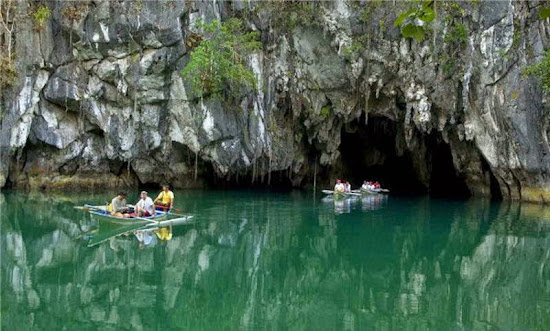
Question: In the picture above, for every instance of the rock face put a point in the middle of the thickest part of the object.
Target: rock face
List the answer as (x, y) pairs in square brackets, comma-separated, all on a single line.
[(100, 100)]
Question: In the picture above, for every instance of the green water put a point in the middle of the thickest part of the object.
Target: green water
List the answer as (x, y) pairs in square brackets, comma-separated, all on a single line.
[(292, 261)]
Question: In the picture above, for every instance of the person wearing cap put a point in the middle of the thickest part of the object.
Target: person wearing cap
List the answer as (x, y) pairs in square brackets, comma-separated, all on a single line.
[(145, 206), (339, 187)]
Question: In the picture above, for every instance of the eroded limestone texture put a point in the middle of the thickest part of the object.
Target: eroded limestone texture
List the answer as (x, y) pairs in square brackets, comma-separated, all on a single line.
[(100, 98)]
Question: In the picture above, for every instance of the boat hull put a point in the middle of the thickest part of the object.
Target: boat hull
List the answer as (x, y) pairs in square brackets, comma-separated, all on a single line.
[(101, 216), (368, 192)]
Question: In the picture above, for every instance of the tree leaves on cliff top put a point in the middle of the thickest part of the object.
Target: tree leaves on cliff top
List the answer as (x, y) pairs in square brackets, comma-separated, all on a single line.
[(541, 70), (413, 31), (218, 62), (412, 21)]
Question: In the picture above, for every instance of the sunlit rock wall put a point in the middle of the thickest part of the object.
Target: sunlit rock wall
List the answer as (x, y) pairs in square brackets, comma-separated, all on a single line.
[(100, 101)]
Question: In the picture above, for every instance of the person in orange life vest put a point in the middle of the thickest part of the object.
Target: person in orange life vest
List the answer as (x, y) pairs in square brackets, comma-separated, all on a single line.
[(165, 198)]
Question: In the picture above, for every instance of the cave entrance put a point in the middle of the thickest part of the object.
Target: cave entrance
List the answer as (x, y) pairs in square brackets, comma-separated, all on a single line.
[(372, 152), (444, 180)]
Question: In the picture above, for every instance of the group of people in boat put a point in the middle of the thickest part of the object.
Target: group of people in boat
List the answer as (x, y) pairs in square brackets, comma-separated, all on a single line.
[(342, 187), (144, 207), (370, 186), (345, 187)]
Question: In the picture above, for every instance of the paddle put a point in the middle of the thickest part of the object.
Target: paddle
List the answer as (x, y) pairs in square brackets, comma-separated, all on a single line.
[(87, 208), (165, 207)]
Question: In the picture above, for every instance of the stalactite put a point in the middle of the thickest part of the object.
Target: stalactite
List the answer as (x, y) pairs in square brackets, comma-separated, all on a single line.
[(269, 173), (196, 166), (315, 176)]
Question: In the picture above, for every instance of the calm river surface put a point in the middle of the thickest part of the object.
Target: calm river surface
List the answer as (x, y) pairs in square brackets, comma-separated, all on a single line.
[(279, 261)]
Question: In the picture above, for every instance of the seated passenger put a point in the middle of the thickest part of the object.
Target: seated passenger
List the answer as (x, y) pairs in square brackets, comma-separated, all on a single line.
[(165, 198), (348, 187), (339, 187), (119, 207), (365, 185), (145, 206)]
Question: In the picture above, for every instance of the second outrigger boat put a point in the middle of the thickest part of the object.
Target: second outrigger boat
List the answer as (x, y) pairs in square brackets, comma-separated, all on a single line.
[(372, 191), (341, 195)]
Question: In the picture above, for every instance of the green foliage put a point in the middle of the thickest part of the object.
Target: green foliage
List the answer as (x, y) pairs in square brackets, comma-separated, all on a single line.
[(325, 111), (541, 70), (40, 16), (382, 25), (138, 6), (544, 13), (217, 62), (448, 65), (8, 72), (358, 44), (455, 9), (457, 33), (413, 23), (288, 15)]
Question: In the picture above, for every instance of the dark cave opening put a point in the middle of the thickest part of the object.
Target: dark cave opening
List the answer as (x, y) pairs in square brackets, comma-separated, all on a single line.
[(368, 152), (376, 151), (445, 182)]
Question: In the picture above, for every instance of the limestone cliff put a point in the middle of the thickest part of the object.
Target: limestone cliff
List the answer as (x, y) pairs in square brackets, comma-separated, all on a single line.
[(99, 99)]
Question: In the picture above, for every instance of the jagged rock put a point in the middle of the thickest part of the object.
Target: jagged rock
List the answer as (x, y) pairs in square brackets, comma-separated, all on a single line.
[(114, 67)]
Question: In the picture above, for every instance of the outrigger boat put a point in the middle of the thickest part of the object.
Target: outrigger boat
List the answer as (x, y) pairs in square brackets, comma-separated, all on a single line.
[(100, 214), (125, 225), (372, 191)]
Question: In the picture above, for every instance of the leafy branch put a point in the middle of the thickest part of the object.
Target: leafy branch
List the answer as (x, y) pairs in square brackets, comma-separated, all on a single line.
[(218, 61), (414, 21), (541, 70), (40, 16)]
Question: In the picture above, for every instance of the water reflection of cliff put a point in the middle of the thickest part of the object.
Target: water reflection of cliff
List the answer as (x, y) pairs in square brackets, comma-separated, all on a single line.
[(280, 263)]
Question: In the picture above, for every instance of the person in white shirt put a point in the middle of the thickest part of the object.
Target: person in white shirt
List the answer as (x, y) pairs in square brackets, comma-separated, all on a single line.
[(145, 205), (339, 187), (347, 187), (365, 186)]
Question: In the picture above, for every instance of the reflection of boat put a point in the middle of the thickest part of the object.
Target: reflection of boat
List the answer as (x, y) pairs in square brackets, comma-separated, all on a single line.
[(373, 201), (110, 226), (341, 195), (108, 230)]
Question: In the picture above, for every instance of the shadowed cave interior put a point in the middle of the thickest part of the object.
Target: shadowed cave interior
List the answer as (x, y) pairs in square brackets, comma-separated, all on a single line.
[(377, 151)]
